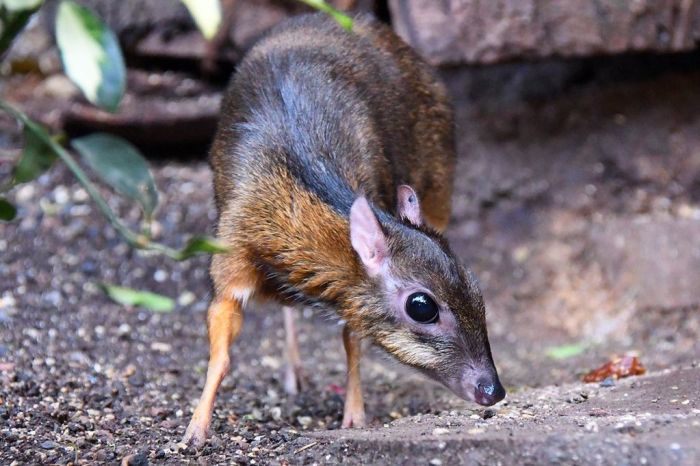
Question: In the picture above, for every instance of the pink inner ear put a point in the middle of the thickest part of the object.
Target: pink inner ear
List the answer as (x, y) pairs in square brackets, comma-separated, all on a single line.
[(367, 237), (408, 205)]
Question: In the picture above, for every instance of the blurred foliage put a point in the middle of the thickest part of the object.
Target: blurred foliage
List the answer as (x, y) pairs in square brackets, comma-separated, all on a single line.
[(91, 55), (344, 20), (132, 298), (44, 149), (93, 60), (7, 210), (36, 157), (206, 14), (566, 351), (120, 165)]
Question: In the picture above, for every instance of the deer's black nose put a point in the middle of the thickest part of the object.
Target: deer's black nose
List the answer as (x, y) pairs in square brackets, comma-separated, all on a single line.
[(489, 391)]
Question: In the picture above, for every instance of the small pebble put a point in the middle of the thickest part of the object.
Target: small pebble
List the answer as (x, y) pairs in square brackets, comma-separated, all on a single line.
[(608, 382), (138, 459), (186, 298), (161, 347), (304, 421), (137, 380), (276, 413), (160, 276)]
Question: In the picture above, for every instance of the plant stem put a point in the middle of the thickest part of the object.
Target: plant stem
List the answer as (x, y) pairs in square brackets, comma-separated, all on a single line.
[(133, 239), (344, 20)]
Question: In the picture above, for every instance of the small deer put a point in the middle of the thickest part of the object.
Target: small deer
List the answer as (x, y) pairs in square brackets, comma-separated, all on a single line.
[(333, 165)]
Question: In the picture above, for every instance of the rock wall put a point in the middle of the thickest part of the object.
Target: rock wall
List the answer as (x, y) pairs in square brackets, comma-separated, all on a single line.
[(479, 32)]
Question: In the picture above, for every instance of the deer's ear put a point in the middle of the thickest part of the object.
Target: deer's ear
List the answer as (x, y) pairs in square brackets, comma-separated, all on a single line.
[(407, 205), (367, 237)]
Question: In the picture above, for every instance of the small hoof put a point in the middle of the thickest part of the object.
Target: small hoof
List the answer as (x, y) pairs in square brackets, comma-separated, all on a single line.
[(291, 384), (295, 379), (353, 421), (195, 436)]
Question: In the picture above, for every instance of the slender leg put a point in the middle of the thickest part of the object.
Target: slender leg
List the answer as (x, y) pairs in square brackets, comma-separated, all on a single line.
[(354, 414), (225, 318), (293, 372)]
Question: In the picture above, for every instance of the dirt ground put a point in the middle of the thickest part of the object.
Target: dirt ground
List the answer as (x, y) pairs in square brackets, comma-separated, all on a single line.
[(577, 204)]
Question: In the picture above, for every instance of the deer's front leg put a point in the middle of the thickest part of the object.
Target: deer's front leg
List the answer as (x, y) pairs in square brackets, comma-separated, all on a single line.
[(225, 319), (354, 413)]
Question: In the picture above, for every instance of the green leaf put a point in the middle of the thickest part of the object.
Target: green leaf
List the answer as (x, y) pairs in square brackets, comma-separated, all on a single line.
[(200, 245), (341, 18), (7, 210), (206, 14), (131, 297), (20, 5), (36, 156), (120, 165), (566, 351), (91, 55), (14, 15)]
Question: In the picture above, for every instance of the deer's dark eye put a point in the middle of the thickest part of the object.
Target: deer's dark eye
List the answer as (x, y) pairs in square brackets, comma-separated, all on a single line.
[(421, 308)]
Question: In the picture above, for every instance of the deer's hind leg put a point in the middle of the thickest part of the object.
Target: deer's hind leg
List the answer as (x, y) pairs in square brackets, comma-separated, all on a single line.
[(295, 378)]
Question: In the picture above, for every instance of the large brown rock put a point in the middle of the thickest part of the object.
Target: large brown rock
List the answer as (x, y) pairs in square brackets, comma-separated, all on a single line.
[(478, 31)]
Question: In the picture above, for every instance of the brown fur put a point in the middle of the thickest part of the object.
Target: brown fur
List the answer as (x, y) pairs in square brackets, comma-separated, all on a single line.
[(317, 122), (273, 224)]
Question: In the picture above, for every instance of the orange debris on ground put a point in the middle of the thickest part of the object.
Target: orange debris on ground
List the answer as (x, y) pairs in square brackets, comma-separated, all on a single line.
[(617, 368)]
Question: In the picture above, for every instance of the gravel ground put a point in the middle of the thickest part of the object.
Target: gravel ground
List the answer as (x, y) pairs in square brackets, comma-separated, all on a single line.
[(87, 381)]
